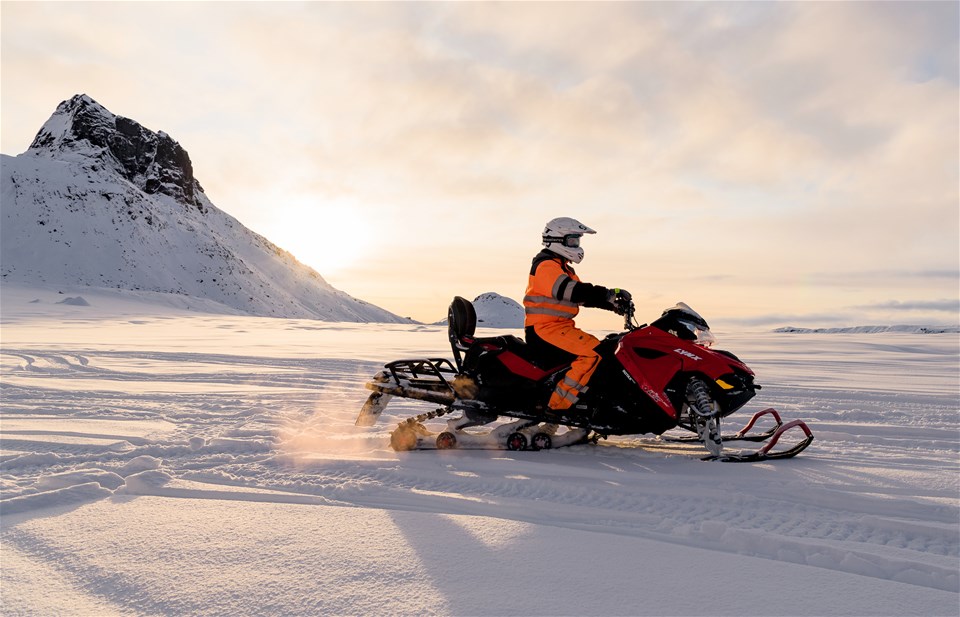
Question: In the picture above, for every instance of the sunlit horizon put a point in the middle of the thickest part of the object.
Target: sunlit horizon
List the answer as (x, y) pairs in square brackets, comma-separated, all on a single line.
[(330, 237)]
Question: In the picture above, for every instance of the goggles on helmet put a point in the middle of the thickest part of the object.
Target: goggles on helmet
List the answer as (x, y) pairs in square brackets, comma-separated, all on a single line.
[(571, 240)]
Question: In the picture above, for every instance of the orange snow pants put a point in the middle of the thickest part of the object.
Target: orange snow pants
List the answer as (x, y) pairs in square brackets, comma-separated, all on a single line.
[(569, 338)]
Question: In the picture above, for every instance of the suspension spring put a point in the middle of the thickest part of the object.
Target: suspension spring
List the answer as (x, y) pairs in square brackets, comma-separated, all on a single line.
[(698, 396)]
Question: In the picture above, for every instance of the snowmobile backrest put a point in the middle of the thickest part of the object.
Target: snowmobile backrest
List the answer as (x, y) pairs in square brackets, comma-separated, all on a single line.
[(461, 326)]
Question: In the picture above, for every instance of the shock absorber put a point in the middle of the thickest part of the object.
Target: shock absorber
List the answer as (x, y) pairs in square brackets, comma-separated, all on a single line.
[(699, 399), (704, 415)]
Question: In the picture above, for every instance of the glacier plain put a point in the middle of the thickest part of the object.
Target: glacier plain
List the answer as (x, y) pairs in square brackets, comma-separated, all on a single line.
[(162, 460)]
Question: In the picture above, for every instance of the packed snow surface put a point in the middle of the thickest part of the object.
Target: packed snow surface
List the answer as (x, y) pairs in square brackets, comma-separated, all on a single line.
[(156, 460)]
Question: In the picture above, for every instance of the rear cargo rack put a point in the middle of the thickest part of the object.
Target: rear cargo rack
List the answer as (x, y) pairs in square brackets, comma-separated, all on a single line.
[(424, 379), (419, 369)]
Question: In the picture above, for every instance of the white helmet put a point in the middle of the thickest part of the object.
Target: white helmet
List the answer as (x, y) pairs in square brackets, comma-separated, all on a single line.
[(562, 236)]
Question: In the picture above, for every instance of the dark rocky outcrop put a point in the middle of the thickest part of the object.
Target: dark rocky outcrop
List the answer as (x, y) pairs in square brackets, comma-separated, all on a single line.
[(154, 162)]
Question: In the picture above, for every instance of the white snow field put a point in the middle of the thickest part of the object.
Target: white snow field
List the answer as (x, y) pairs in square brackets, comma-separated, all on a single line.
[(161, 461)]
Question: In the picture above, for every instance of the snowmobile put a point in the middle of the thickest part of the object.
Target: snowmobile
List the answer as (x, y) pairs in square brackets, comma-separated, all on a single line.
[(650, 379)]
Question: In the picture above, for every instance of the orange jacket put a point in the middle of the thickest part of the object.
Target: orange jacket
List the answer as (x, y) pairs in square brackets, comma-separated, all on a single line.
[(549, 296), (555, 293)]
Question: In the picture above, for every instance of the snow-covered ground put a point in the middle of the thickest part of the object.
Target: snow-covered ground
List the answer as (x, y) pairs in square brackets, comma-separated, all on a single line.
[(157, 460)]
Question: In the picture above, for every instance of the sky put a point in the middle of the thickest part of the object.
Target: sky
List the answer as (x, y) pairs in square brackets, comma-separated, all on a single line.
[(793, 163)]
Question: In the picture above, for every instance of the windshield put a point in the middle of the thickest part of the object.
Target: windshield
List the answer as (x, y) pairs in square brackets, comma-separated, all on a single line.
[(682, 321), (702, 334)]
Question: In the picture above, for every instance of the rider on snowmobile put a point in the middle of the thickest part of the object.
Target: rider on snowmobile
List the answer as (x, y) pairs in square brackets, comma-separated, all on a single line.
[(553, 298)]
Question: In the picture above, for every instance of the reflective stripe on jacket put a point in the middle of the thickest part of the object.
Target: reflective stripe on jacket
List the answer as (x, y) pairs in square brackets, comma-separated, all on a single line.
[(549, 291)]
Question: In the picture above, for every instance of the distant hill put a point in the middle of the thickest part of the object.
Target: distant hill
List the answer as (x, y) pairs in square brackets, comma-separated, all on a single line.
[(872, 330), (100, 201), (496, 311)]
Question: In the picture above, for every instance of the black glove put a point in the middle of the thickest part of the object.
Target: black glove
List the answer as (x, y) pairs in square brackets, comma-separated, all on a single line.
[(620, 300)]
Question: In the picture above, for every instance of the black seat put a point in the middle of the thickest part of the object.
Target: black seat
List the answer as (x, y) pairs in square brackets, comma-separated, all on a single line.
[(461, 326), (461, 330)]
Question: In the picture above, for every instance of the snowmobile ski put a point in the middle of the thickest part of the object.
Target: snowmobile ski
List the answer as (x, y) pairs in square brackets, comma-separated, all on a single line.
[(766, 453), (743, 434)]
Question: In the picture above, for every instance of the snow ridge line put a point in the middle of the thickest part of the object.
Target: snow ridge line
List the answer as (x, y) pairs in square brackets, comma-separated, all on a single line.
[(60, 366)]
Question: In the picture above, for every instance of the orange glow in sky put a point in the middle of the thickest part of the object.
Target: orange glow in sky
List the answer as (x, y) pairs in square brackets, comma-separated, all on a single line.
[(768, 163)]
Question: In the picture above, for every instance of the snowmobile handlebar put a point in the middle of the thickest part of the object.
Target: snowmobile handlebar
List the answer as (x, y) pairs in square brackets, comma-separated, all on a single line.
[(629, 323)]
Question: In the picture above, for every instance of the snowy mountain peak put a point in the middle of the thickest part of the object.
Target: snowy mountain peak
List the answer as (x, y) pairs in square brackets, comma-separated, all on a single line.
[(152, 161), (75, 119), (100, 201), (496, 311)]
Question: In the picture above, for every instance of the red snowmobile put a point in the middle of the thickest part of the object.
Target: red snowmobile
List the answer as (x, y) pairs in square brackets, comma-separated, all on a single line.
[(650, 379)]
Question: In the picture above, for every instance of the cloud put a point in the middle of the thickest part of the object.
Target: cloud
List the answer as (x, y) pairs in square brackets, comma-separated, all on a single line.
[(944, 306), (868, 277)]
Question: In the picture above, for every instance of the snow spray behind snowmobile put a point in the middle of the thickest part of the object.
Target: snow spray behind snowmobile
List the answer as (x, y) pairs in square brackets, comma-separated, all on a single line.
[(651, 378)]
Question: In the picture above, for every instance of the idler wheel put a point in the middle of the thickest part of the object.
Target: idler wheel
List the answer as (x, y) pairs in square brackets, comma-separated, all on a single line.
[(446, 440), (403, 438), (517, 441), (541, 441)]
